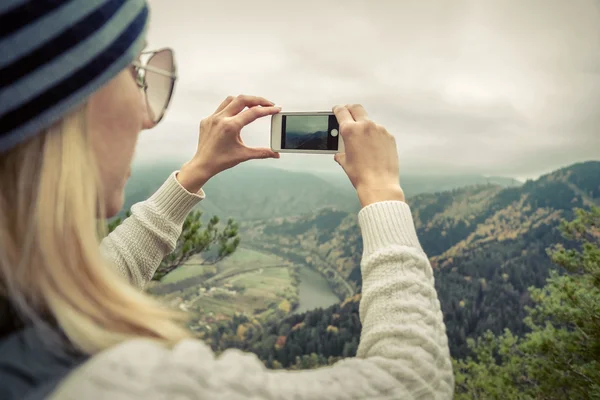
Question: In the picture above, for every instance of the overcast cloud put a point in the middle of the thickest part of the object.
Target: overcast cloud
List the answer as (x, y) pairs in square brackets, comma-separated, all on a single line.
[(495, 87), (306, 124)]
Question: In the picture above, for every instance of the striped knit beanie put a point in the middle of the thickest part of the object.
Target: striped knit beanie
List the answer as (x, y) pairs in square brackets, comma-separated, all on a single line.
[(55, 53)]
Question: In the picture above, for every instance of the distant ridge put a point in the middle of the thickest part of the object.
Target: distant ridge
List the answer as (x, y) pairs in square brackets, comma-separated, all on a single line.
[(256, 192)]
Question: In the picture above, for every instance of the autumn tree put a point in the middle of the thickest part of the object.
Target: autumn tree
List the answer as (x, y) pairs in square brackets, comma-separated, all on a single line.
[(560, 357), (212, 240)]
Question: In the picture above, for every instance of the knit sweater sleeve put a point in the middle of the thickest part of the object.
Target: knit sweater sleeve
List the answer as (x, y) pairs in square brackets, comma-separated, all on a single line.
[(403, 351), (139, 244)]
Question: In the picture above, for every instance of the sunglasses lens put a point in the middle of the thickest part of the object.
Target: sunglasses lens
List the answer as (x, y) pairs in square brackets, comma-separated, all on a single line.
[(159, 87)]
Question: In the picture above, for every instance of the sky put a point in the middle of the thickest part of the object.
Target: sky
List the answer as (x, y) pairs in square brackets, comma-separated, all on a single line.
[(506, 88), (306, 124)]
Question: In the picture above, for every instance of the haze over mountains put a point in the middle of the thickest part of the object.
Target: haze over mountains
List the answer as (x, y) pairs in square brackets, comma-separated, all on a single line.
[(302, 140), (256, 192)]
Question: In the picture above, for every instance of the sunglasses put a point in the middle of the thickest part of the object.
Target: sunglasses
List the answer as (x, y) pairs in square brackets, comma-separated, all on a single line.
[(157, 78)]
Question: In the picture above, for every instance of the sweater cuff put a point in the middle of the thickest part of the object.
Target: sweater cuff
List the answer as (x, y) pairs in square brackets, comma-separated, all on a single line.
[(387, 223), (173, 201)]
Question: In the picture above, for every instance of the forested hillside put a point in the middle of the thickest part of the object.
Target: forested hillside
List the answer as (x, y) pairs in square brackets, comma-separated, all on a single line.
[(557, 358), (487, 245), (482, 280)]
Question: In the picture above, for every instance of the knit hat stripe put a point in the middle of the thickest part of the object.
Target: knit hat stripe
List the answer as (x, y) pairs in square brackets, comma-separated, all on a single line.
[(39, 112), (57, 46), (17, 14), (57, 56), (38, 30), (9, 4)]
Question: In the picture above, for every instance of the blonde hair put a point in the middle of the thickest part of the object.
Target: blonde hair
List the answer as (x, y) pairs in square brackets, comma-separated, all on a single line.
[(50, 262)]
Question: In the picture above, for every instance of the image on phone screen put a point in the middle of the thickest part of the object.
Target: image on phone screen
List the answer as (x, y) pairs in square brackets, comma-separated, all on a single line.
[(309, 132)]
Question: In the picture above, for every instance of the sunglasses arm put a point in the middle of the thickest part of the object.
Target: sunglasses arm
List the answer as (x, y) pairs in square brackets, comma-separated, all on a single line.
[(155, 70)]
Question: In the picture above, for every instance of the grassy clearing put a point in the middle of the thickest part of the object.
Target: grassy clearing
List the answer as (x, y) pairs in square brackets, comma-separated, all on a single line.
[(189, 271), (261, 290), (243, 258), (269, 281), (248, 281)]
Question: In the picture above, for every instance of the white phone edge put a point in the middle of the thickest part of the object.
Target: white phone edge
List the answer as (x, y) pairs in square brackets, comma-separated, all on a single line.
[(276, 134)]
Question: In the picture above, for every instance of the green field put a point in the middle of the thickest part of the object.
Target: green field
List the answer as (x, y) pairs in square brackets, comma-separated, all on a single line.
[(260, 281), (262, 289), (265, 284), (242, 259)]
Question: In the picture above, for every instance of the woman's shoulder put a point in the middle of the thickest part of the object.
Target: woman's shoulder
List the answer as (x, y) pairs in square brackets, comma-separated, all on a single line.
[(134, 368), (143, 368)]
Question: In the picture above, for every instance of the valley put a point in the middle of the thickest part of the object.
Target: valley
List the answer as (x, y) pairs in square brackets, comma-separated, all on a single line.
[(250, 282), (487, 243)]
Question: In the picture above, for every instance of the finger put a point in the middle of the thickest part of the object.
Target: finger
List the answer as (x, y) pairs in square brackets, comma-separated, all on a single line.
[(258, 153), (340, 158), (358, 112), (243, 101), (224, 104), (254, 113), (342, 114)]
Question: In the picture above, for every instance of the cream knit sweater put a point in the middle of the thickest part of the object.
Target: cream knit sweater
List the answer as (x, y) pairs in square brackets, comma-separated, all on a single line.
[(403, 351)]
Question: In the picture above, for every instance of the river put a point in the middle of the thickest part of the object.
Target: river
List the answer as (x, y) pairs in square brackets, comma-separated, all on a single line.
[(314, 292)]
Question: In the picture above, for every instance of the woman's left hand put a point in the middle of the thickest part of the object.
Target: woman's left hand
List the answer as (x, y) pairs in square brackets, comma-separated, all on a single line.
[(220, 145)]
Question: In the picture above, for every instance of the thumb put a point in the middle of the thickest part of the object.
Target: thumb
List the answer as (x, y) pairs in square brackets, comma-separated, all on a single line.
[(260, 153), (340, 158)]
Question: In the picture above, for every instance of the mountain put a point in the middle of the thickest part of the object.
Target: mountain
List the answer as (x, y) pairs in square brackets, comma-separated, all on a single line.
[(257, 192), (145, 180), (313, 141), (249, 192), (417, 184), (487, 244), (414, 184)]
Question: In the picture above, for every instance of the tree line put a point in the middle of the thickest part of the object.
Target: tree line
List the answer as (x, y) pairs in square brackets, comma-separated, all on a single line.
[(556, 357)]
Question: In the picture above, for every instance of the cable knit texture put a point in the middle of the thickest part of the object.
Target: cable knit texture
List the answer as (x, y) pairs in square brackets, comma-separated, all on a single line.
[(138, 245), (403, 351)]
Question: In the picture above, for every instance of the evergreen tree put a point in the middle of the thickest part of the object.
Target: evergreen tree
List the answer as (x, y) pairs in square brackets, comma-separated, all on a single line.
[(560, 357), (196, 239)]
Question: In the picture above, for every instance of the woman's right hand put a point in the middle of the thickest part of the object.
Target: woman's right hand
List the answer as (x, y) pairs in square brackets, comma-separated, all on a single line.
[(220, 144), (371, 158)]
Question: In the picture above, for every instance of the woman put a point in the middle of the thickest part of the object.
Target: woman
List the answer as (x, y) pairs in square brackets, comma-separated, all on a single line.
[(75, 322)]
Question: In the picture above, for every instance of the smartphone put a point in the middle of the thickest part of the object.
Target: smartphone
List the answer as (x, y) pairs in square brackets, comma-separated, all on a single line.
[(315, 132)]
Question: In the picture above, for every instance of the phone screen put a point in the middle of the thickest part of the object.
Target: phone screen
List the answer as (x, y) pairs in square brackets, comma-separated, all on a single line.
[(309, 132)]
